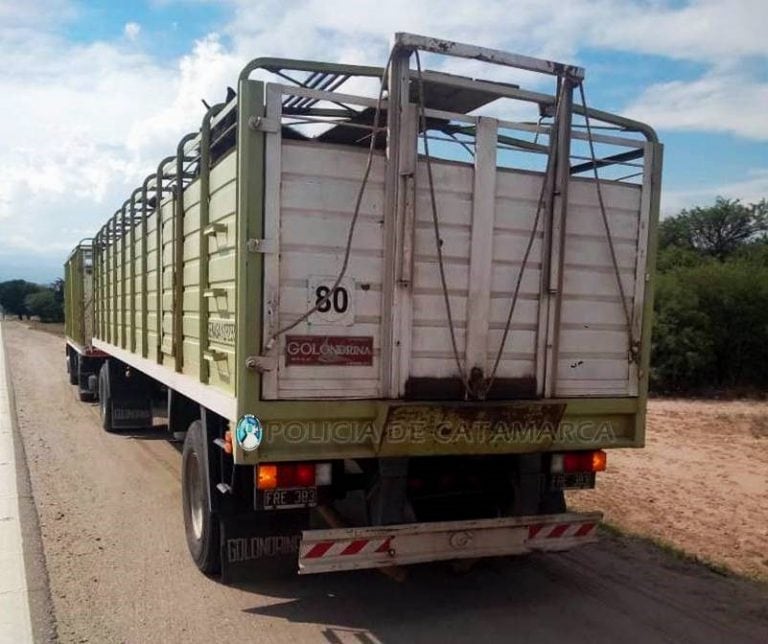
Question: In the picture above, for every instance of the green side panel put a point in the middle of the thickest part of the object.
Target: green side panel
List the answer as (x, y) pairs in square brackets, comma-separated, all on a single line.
[(190, 304), (250, 225), (221, 268), (166, 280), (78, 294)]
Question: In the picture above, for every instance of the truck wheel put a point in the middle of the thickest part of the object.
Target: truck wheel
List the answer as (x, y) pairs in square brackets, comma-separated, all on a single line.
[(105, 399), (200, 524), (72, 367), (83, 386)]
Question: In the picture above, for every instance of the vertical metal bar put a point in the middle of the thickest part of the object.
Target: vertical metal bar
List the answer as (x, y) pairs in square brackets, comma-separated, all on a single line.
[(402, 314), (177, 290), (205, 204), (557, 238), (115, 336), (398, 97), (123, 289), (654, 154), (96, 290), (178, 256), (159, 254), (272, 187), (144, 271), (68, 298), (481, 245), (107, 283), (132, 309), (250, 225), (102, 287)]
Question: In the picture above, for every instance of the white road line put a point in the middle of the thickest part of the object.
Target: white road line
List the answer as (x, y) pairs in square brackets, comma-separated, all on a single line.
[(15, 622)]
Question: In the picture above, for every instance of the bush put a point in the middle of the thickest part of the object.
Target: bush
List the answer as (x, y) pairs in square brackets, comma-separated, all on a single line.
[(45, 305), (711, 327)]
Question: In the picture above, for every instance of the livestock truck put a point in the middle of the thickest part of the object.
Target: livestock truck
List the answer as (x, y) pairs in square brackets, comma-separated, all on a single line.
[(394, 312)]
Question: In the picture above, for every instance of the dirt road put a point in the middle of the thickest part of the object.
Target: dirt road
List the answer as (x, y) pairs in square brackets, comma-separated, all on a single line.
[(119, 571)]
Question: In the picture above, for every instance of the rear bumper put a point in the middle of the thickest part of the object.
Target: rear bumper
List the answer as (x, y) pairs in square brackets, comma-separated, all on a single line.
[(382, 546)]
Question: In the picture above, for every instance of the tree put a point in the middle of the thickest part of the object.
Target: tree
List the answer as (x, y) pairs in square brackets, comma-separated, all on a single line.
[(45, 305), (13, 294), (718, 230), (711, 303)]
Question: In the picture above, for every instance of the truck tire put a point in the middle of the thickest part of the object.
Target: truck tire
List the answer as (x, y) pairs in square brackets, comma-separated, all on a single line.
[(200, 524), (72, 367), (83, 387), (105, 399)]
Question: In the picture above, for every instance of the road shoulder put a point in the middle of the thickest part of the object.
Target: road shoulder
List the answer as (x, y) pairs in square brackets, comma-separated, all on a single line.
[(27, 610)]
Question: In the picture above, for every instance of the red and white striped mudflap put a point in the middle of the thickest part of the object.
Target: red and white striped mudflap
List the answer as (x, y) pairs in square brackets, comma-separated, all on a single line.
[(380, 546)]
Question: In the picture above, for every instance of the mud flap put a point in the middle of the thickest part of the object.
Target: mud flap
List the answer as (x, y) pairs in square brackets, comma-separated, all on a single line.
[(261, 545), (131, 413)]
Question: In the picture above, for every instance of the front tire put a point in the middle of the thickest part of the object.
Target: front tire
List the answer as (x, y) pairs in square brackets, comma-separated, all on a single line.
[(200, 524)]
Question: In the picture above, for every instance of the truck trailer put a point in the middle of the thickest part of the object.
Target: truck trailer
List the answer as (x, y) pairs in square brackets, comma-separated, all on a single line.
[(392, 312)]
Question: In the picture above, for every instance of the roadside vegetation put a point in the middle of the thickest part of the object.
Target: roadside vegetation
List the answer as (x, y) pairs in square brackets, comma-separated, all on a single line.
[(23, 299), (710, 333)]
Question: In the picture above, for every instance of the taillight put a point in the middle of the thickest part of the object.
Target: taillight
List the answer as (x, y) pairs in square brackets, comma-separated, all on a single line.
[(591, 461), (300, 475), (281, 475)]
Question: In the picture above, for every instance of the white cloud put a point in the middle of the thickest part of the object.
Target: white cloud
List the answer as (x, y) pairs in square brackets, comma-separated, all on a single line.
[(82, 124), (132, 30), (700, 30), (751, 189), (721, 101)]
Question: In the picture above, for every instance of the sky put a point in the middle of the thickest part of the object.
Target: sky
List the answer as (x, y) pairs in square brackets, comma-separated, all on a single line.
[(94, 93)]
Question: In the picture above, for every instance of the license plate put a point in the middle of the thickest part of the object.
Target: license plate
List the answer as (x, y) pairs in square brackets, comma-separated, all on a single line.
[(573, 481), (287, 498)]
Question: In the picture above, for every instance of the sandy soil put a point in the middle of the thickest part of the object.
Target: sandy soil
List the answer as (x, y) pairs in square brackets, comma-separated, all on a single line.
[(111, 524), (700, 484)]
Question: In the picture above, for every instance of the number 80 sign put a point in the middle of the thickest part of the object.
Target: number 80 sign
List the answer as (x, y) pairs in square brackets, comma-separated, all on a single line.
[(337, 308)]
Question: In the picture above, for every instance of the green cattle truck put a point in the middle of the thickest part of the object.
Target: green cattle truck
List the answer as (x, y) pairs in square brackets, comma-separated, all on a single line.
[(395, 312)]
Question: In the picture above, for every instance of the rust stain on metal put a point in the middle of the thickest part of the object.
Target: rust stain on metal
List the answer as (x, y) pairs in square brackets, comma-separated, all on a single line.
[(453, 389), (478, 423)]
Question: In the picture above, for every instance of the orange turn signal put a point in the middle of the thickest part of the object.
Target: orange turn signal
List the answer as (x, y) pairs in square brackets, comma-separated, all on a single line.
[(599, 460), (266, 477)]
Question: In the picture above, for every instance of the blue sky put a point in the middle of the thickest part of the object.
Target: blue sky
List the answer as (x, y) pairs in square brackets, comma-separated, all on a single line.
[(93, 93)]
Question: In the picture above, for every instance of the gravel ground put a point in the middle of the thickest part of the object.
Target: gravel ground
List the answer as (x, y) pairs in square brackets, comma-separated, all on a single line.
[(110, 519)]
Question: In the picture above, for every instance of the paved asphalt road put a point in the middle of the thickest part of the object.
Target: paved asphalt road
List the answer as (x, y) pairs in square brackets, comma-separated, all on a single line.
[(111, 526)]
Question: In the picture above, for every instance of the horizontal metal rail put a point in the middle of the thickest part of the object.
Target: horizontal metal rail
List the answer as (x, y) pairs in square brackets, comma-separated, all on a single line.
[(385, 546)]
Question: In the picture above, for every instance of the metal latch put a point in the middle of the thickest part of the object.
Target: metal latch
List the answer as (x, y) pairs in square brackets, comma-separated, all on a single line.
[(211, 230), (262, 124), (262, 364), (260, 246)]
